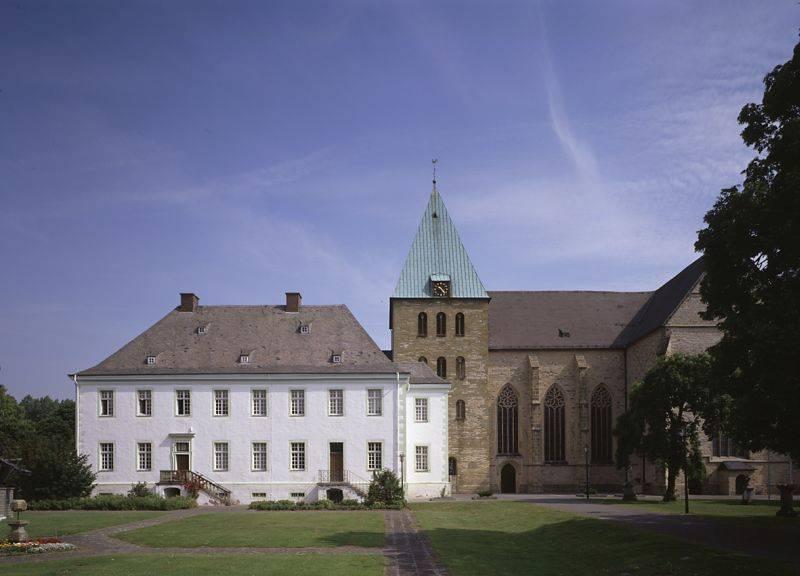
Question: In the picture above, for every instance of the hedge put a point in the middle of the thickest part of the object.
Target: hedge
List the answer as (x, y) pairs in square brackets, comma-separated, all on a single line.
[(319, 505), (116, 502)]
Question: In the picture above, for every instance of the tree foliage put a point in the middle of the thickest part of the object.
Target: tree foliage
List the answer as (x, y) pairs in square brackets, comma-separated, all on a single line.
[(385, 490), (665, 417), (752, 286), (41, 432)]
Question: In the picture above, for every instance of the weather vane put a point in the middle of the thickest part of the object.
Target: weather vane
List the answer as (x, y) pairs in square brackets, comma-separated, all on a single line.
[(434, 161)]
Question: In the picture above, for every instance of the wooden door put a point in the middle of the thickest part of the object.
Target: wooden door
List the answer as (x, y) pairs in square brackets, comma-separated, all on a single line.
[(337, 461), (182, 462)]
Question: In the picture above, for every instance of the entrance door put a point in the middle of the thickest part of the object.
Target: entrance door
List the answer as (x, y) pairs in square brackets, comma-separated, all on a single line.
[(508, 479), (181, 456), (337, 461)]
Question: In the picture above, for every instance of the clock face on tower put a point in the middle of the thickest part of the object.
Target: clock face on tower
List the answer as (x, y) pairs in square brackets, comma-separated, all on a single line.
[(441, 288)]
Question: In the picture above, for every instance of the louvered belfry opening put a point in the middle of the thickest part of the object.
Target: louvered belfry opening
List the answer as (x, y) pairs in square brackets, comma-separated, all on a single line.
[(554, 425), (507, 421)]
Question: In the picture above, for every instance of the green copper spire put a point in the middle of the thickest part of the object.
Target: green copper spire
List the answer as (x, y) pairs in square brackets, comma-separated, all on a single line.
[(437, 252)]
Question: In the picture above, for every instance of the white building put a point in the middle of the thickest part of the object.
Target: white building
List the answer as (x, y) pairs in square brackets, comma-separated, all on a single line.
[(261, 402)]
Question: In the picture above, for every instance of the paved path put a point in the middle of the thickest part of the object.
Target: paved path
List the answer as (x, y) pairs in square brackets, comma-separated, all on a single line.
[(724, 533), (407, 549)]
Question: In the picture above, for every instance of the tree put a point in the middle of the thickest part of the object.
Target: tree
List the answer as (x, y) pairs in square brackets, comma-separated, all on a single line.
[(751, 244), (384, 490), (665, 417)]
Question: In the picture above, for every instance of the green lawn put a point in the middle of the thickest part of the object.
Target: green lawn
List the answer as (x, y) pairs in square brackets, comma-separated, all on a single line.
[(218, 564), (478, 538), (66, 522), (265, 529), (722, 508)]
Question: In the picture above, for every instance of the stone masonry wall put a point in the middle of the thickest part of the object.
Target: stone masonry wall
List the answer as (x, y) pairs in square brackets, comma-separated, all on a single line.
[(469, 438)]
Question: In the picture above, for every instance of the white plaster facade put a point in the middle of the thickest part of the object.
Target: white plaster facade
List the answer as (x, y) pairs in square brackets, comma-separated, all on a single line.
[(395, 428)]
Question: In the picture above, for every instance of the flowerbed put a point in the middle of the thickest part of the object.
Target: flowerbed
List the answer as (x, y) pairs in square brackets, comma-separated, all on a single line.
[(319, 505), (38, 546)]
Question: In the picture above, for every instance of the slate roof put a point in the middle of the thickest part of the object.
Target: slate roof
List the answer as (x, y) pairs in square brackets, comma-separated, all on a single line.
[(269, 334), (531, 320), (437, 249), (421, 373)]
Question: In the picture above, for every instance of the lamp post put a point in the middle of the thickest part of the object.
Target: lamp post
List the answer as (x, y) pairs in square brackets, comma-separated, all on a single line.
[(682, 435), (586, 457)]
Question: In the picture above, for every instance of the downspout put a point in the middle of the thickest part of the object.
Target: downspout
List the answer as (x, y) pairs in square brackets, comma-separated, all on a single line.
[(77, 414)]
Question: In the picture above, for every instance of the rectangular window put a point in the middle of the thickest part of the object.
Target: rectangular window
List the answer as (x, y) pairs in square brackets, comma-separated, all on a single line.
[(374, 455), (259, 403), (297, 405), (220, 456), (374, 402), (260, 456), (259, 495), (420, 409), (335, 402), (106, 402), (106, 456), (183, 402), (220, 402), (144, 460), (298, 495), (421, 459), (144, 403), (298, 456)]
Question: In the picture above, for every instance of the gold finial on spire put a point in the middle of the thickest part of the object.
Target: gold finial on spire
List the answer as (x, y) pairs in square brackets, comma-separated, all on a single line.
[(434, 161)]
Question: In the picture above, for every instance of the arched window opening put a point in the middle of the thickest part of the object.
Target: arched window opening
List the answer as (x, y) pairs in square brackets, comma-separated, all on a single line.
[(461, 368), (452, 466), (554, 426), (441, 324), (423, 360), (461, 410), (724, 447), (601, 425), (441, 367), (422, 325), (507, 403), (459, 324)]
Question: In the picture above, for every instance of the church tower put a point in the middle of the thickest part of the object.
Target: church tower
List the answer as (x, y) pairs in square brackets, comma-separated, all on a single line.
[(439, 314)]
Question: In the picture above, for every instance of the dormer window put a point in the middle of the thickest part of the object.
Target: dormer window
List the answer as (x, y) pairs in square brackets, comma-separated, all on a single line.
[(336, 358), (151, 360), (305, 329), (244, 359), (202, 330)]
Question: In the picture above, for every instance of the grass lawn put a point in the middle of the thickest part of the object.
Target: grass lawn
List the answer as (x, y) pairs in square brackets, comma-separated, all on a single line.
[(500, 537), (218, 564), (61, 523), (722, 508), (265, 529)]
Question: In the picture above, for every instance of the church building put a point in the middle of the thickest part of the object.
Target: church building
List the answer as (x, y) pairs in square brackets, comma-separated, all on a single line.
[(539, 377)]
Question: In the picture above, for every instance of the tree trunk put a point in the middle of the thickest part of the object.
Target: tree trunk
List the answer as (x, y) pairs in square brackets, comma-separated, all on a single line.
[(669, 494)]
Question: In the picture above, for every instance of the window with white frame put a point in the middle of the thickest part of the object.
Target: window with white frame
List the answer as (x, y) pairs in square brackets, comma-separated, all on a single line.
[(298, 451), (106, 402), (258, 495), (374, 402), (335, 402), (420, 409), (298, 495), (144, 403), (183, 402), (151, 360), (421, 459), (259, 403), (220, 456), (106, 456), (297, 404), (259, 456), (374, 455), (144, 456), (220, 402)]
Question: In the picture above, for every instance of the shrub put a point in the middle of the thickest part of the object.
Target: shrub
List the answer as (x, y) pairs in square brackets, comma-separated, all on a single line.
[(140, 489), (319, 505), (485, 493), (115, 502), (385, 490)]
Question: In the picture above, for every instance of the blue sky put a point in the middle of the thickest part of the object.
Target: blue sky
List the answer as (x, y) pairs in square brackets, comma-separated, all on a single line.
[(243, 149)]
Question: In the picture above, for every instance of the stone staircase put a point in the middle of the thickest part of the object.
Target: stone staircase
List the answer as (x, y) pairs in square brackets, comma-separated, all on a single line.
[(216, 493)]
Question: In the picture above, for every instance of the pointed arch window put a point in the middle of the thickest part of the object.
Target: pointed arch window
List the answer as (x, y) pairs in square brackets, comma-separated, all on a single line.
[(441, 367), (461, 368), (441, 324), (422, 325), (459, 324), (554, 425), (601, 425), (461, 410), (507, 421)]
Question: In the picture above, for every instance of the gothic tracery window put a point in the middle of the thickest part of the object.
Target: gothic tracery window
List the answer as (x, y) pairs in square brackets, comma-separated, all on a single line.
[(554, 425), (441, 324), (459, 324), (601, 424), (507, 406), (422, 324)]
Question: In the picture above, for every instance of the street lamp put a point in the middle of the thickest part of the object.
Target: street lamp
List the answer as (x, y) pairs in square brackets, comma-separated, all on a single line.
[(586, 457)]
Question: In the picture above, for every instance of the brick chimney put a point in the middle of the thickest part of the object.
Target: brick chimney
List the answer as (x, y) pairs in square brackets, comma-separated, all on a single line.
[(188, 302), (293, 300)]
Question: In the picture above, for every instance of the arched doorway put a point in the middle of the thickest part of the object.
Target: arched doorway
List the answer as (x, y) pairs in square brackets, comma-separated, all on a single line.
[(335, 495), (508, 479), (741, 483)]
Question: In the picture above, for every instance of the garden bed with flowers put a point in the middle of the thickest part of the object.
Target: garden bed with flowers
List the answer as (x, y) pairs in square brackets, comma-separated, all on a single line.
[(38, 546)]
